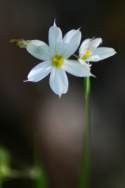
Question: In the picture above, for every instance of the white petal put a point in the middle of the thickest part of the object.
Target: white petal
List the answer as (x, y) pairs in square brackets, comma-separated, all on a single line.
[(94, 43), (39, 72), (71, 42), (101, 53), (77, 69), (55, 38), (59, 49), (68, 36), (58, 81), (38, 49), (84, 46)]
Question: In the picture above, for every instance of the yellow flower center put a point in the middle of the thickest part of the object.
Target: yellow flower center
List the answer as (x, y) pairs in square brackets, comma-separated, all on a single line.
[(57, 61), (86, 54)]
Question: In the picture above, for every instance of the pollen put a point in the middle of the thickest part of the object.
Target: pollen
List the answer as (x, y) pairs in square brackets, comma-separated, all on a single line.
[(57, 61), (86, 54)]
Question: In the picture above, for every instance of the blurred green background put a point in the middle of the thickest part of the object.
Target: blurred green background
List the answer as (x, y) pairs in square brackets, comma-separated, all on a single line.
[(31, 116)]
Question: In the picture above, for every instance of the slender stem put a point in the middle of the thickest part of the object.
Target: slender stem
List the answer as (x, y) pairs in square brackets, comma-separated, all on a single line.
[(1, 182), (85, 163), (41, 180)]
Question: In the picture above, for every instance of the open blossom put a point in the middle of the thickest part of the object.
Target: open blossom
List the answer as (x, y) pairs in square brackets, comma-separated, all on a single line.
[(55, 59), (90, 52)]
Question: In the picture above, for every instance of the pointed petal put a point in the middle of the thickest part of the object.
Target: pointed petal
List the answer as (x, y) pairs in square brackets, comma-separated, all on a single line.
[(77, 69), (101, 53), (55, 38), (94, 43), (38, 49), (39, 72), (84, 46), (58, 81), (71, 42)]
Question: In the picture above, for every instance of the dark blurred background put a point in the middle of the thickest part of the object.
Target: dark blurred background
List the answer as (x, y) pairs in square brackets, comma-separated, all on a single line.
[(31, 116)]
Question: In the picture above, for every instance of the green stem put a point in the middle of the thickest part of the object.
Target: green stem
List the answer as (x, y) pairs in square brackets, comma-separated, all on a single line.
[(41, 180), (1, 183), (85, 163)]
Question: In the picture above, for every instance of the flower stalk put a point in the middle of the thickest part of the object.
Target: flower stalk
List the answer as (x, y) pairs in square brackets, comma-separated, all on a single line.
[(86, 161), (1, 183), (41, 179)]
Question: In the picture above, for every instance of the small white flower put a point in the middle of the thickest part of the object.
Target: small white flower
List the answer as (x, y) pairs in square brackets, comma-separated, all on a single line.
[(90, 52), (55, 59)]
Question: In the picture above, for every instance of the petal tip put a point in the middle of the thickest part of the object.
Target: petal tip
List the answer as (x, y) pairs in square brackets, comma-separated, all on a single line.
[(92, 75), (60, 96), (115, 52), (101, 40), (54, 23), (79, 29), (26, 81)]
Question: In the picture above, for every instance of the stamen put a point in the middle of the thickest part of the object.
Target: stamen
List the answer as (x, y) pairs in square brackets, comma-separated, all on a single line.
[(86, 54), (57, 61)]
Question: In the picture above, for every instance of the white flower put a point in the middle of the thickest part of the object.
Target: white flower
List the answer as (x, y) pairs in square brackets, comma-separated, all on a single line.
[(55, 59), (90, 52)]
